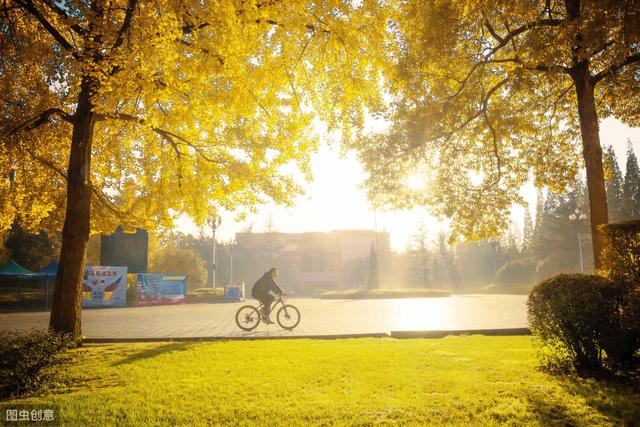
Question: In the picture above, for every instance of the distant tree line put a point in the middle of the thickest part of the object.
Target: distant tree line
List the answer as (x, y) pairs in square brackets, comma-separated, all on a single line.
[(549, 243)]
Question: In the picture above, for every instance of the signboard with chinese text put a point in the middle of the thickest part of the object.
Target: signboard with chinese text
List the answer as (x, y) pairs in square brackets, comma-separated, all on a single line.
[(161, 289), (104, 287)]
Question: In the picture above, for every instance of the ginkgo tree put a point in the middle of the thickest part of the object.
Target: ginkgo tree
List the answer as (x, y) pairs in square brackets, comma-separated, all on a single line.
[(133, 112), (485, 96)]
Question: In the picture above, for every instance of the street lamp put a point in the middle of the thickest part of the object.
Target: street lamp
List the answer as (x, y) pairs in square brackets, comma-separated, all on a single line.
[(214, 223), (575, 216), (494, 245)]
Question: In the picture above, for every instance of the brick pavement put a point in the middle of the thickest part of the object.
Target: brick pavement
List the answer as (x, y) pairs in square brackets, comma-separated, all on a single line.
[(319, 318)]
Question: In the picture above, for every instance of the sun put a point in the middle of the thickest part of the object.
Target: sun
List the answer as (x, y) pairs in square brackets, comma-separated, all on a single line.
[(415, 181)]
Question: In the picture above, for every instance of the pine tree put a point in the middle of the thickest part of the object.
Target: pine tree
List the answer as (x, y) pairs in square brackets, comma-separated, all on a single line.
[(419, 270), (631, 188), (539, 211), (614, 185), (528, 232)]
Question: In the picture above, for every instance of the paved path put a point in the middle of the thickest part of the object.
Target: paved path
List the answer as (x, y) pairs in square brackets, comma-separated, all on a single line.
[(319, 317)]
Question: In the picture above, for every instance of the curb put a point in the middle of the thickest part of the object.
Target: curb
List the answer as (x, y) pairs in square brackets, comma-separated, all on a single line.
[(442, 334), (392, 334), (233, 338)]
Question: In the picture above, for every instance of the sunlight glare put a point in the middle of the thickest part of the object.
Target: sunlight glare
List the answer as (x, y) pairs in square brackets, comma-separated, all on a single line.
[(415, 181)]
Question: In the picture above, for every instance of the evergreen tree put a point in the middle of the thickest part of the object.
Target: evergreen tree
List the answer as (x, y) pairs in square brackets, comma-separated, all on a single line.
[(420, 265), (527, 236), (539, 212), (32, 250), (446, 273), (614, 185), (631, 188)]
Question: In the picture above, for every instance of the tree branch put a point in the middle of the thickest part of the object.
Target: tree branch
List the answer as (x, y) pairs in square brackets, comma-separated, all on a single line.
[(493, 32), (62, 14), (99, 194), (526, 27), (53, 31), (632, 59), (169, 136), (126, 24), (41, 119)]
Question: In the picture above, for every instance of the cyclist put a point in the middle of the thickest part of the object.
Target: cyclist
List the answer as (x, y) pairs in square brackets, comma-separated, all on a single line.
[(262, 290)]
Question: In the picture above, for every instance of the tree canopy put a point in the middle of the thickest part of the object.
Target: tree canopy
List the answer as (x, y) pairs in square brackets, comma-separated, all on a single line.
[(132, 112), (486, 96)]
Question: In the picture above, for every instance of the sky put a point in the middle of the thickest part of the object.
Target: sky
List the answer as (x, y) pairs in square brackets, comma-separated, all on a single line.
[(336, 200)]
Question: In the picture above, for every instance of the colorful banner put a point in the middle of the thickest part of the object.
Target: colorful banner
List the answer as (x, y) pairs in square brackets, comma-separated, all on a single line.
[(161, 289), (104, 287), (234, 292)]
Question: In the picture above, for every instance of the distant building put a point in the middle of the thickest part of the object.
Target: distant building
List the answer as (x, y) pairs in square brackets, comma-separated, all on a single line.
[(314, 260)]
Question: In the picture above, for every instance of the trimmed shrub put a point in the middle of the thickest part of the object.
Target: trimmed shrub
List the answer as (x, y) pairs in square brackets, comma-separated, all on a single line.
[(621, 257), (621, 262), (28, 359), (571, 314), (622, 343)]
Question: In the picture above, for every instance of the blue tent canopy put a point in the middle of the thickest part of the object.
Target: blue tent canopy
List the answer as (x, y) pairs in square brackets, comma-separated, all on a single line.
[(51, 270), (13, 269)]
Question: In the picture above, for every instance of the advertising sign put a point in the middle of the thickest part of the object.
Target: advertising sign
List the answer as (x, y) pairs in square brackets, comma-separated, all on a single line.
[(104, 287), (234, 292), (161, 289)]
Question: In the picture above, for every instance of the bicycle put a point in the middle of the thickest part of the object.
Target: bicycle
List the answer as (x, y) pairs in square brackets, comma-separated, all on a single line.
[(248, 317)]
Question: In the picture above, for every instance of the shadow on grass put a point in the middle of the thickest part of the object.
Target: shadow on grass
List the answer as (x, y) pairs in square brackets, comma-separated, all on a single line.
[(617, 401), (153, 352)]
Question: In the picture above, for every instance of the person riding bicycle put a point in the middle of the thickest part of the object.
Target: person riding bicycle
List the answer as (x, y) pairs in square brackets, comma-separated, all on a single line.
[(263, 288)]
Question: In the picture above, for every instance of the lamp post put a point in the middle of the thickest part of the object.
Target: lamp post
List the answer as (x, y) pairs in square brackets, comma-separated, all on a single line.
[(494, 245), (214, 223), (575, 216)]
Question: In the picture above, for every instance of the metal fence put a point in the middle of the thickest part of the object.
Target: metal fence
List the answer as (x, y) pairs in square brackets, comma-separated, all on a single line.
[(26, 293)]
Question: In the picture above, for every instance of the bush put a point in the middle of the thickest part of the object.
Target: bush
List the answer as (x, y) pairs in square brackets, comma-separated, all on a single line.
[(571, 314), (623, 340), (621, 257), (621, 263), (174, 260), (28, 359)]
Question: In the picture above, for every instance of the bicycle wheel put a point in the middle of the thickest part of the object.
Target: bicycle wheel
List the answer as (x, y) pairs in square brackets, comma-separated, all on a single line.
[(247, 318), (288, 317)]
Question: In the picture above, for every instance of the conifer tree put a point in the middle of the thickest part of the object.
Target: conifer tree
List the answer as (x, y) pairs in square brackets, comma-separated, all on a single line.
[(614, 185), (527, 237), (631, 188)]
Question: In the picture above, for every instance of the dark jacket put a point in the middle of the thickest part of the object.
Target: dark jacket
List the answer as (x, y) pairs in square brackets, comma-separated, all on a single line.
[(264, 285)]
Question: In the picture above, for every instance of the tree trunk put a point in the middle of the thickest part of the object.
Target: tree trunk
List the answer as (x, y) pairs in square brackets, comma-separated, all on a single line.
[(66, 306), (592, 152)]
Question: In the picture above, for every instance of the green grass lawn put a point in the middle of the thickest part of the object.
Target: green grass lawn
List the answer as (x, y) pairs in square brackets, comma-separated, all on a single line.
[(470, 380)]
